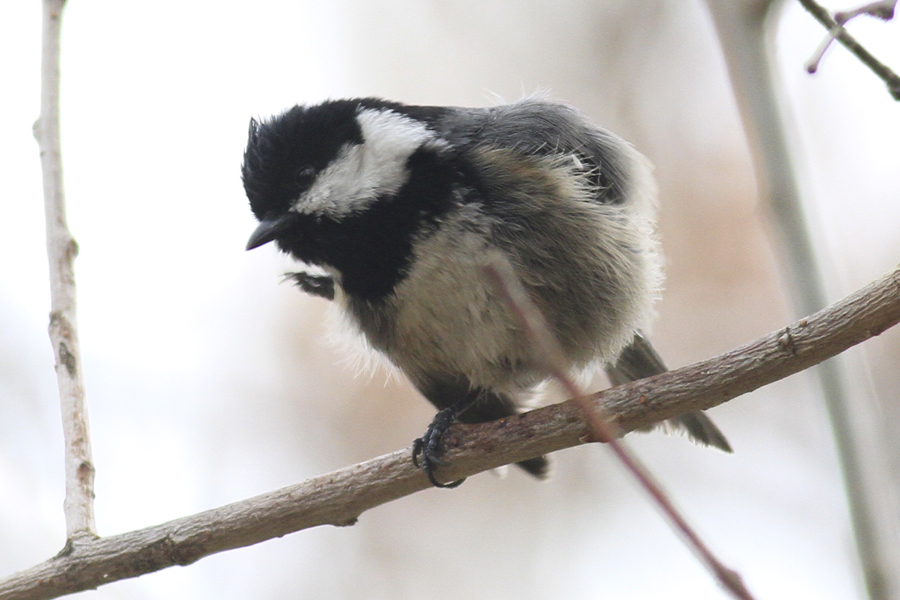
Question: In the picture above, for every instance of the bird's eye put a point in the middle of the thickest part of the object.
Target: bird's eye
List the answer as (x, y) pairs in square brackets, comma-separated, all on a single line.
[(304, 177)]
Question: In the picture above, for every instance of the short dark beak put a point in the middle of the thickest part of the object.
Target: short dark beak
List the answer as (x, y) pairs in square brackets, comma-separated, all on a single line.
[(269, 229)]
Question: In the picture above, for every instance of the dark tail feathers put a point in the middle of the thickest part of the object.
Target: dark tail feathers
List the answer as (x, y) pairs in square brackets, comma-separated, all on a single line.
[(640, 360)]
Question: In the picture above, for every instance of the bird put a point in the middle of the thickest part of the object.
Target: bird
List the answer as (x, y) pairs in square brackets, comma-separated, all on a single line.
[(399, 207)]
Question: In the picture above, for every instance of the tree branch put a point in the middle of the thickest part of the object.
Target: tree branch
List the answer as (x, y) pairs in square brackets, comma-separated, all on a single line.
[(61, 252), (339, 498)]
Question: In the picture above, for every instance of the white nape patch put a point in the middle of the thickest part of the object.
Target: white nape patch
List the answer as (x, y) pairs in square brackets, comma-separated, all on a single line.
[(362, 172)]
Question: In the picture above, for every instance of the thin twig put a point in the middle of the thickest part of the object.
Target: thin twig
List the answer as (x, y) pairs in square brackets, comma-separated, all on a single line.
[(61, 251), (339, 498), (884, 10), (549, 354), (836, 31)]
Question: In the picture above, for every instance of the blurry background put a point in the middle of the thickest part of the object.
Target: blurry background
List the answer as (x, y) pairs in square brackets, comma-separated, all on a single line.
[(208, 381)]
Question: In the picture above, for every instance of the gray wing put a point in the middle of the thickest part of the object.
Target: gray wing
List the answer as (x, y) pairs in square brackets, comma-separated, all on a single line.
[(539, 127), (640, 360)]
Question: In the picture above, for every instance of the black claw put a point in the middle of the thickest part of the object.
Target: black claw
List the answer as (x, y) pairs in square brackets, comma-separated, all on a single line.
[(417, 450), (430, 448), (315, 285)]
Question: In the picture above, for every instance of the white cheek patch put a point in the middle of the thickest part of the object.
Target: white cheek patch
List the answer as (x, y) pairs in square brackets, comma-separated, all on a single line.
[(362, 172)]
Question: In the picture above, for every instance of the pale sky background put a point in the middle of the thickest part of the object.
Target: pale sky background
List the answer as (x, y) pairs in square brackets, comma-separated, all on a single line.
[(208, 381)]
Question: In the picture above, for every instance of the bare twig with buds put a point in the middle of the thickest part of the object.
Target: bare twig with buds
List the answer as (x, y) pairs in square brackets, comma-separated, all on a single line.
[(883, 9)]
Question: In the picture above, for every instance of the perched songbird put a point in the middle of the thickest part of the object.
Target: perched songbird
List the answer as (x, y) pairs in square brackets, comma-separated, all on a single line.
[(401, 205)]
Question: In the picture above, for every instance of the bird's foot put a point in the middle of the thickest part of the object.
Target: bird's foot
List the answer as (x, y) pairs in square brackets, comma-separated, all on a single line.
[(429, 447)]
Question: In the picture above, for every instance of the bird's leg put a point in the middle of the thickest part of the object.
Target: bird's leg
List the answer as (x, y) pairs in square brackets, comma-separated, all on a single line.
[(429, 446)]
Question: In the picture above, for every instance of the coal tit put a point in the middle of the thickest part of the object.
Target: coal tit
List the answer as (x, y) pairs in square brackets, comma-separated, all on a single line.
[(400, 205)]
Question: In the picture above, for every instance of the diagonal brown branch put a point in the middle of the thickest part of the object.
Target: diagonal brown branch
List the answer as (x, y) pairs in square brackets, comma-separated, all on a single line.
[(338, 498), (61, 251)]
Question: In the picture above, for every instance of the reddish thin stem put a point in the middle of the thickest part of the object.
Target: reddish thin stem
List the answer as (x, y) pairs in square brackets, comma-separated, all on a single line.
[(549, 353)]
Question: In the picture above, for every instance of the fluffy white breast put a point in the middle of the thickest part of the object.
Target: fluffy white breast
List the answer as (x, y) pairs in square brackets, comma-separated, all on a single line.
[(362, 172)]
